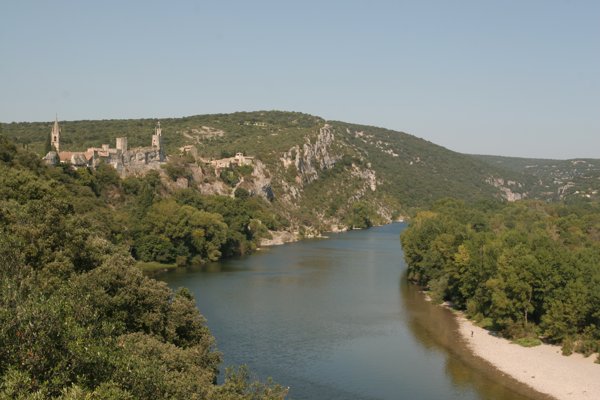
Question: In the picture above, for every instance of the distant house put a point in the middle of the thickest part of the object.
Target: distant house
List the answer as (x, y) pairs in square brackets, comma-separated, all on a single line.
[(238, 160), (77, 159)]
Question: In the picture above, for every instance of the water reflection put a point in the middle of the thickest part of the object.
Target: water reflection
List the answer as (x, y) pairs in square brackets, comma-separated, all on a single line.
[(328, 318), (436, 329)]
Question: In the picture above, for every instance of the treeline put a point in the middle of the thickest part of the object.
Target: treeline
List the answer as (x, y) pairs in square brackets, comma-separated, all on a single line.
[(77, 319), (158, 224), (407, 169), (187, 227), (526, 269), (79, 135), (422, 172)]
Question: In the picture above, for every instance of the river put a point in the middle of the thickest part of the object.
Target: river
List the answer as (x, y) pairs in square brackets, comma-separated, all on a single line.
[(335, 319)]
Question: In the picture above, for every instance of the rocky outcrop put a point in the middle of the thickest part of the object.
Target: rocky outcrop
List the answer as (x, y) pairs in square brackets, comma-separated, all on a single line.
[(261, 181), (214, 188), (367, 175), (136, 162), (310, 158), (197, 135), (258, 183), (507, 188), (279, 238)]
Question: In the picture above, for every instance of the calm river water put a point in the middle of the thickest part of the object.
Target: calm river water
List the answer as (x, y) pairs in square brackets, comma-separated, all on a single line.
[(334, 319)]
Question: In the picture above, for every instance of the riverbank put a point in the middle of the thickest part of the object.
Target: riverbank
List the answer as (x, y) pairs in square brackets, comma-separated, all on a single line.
[(282, 237), (543, 367)]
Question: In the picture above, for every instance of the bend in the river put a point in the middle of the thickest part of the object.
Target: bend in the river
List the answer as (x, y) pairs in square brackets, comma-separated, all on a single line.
[(335, 319)]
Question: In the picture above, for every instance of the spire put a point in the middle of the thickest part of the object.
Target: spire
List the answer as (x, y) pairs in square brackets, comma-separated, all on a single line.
[(157, 137), (157, 130), (55, 135)]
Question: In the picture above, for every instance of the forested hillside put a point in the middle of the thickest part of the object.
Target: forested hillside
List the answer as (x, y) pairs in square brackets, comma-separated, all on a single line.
[(78, 320), (527, 269), (555, 179), (319, 174)]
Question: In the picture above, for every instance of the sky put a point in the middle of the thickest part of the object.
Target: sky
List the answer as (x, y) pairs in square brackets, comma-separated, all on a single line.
[(515, 78)]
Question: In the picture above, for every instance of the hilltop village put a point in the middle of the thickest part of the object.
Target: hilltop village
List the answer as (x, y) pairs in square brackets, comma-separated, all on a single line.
[(129, 161), (120, 157)]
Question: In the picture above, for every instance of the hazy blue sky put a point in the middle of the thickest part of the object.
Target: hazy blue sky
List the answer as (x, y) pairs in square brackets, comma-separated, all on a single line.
[(497, 77)]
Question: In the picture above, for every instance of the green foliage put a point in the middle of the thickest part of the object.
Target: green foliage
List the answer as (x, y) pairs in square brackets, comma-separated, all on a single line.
[(234, 174), (238, 386), (78, 319), (241, 193), (421, 172), (571, 180), (230, 176), (135, 211), (170, 230), (237, 214), (567, 346), (153, 266), (526, 268), (177, 167), (246, 130), (361, 216), (48, 143), (409, 172), (528, 342)]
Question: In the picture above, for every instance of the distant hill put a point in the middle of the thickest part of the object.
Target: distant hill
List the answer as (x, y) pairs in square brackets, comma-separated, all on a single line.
[(555, 179), (320, 173)]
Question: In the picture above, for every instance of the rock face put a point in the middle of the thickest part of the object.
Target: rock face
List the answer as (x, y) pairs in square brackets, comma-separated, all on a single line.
[(214, 188), (311, 157), (367, 175), (136, 161), (279, 238), (338, 173), (261, 181), (507, 188)]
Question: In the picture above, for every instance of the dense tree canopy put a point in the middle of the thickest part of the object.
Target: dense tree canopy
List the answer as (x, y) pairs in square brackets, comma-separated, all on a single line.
[(78, 319), (526, 268), (394, 172)]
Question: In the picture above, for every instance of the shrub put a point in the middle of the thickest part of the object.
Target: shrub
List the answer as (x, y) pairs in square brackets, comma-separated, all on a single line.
[(567, 346)]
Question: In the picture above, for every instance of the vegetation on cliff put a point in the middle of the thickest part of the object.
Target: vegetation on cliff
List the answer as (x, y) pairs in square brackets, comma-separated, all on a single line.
[(527, 269), (77, 319), (314, 170), (554, 179)]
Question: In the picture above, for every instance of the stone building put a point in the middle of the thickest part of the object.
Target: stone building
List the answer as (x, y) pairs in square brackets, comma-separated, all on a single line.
[(238, 160), (125, 160)]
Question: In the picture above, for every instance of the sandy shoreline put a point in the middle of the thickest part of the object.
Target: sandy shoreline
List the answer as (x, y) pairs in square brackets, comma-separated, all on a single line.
[(543, 367)]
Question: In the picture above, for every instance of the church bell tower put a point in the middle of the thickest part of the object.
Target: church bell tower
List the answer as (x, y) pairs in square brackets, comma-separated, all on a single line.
[(157, 137), (157, 142), (55, 136)]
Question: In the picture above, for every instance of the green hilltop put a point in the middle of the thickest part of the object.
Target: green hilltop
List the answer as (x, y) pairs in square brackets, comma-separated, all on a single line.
[(80, 320), (349, 175), (555, 179)]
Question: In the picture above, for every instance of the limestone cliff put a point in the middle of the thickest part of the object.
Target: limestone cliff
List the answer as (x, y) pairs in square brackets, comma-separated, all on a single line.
[(511, 190), (314, 172), (311, 158)]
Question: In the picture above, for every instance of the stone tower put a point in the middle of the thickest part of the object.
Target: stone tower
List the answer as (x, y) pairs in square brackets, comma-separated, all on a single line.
[(157, 142), (122, 144), (157, 137), (55, 135)]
